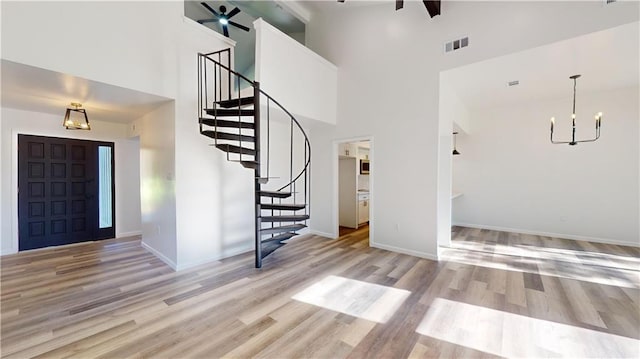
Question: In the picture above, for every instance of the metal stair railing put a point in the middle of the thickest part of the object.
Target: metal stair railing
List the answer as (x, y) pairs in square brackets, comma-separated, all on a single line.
[(211, 94)]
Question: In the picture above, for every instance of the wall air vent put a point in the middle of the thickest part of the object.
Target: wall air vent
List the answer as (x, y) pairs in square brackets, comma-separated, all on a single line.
[(456, 44), (513, 83)]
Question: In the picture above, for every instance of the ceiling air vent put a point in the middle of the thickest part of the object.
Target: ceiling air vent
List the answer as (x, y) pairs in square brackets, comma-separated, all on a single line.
[(607, 2), (513, 83), (456, 44)]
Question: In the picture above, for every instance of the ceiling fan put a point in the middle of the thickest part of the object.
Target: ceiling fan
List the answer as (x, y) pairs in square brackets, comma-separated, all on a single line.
[(223, 18), (433, 7)]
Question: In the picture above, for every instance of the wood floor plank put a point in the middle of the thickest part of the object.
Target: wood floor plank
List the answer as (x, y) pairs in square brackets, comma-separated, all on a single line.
[(113, 299)]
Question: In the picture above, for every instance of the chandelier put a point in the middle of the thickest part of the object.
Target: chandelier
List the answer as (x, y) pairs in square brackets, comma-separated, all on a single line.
[(573, 141), (455, 151), (76, 118)]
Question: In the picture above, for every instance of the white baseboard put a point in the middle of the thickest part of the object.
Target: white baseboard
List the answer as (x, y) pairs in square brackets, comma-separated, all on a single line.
[(160, 256), (404, 251), (224, 255), (128, 234), (323, 234), (8, 251), (548, 234)]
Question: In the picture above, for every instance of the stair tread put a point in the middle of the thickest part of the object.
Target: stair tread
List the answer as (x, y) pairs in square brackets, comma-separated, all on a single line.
[(228, 136), (284, 206), (276, 194), (235, 149), (249, 164), (229, 112), (244, 101), (281, 229), (286, 218), (226, 123), (270, 247), (280, 237)]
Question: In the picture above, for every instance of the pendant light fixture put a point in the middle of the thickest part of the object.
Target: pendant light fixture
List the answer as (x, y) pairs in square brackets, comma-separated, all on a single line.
[(573, 141), (76, 118), (455, 151)]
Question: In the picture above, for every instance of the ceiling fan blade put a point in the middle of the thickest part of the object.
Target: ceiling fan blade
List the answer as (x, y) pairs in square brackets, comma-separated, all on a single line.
[(225, 30), (207, 20), (239, 26), (209, 8), (399, 4), (433, 7), (233, 13)]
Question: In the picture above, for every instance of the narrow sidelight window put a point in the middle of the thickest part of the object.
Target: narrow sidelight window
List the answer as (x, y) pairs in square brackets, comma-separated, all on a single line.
[(105, 186)]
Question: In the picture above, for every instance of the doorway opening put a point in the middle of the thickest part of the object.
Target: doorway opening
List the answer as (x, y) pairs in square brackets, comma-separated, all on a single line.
[(354, 186)]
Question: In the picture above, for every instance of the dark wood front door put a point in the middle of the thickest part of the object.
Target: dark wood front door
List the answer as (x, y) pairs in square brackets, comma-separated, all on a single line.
[(57, 191)]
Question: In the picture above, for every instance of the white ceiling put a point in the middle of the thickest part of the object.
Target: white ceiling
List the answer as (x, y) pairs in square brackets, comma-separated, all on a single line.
[(332, 5), (606, 60), (34, 89)]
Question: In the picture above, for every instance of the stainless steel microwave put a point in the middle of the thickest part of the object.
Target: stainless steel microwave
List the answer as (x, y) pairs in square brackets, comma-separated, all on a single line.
[(364, 167)]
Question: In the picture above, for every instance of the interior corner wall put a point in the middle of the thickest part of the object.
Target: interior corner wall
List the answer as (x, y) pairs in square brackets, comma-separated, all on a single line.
[(388, 88), (156, 131), (16, 122), (514, 179)]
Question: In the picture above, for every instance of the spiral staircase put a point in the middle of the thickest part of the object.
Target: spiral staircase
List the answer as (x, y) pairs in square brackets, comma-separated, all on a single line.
[(237, 115)]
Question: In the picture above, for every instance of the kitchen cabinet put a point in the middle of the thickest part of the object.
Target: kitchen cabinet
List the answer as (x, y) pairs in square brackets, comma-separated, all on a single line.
[(348, 149), (363, 208)]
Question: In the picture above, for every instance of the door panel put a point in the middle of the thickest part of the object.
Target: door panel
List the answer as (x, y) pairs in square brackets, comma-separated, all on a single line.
[(57, 191)]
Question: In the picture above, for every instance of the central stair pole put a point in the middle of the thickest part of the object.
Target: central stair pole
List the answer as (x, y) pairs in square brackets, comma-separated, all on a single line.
[(257, 197)]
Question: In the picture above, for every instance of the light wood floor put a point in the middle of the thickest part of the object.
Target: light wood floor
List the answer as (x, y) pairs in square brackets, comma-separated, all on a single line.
[(493, 294)]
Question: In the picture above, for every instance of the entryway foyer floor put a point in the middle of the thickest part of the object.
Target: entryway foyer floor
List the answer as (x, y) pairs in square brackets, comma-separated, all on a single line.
[(492, 294)]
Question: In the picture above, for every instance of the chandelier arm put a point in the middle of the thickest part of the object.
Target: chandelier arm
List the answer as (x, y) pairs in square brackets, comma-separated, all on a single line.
[(593, 139), (557, 142)]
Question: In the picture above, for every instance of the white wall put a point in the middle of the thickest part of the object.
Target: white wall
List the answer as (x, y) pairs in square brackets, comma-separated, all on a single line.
[(127, 182), (299, 79), (388, 88), (157, 181), (452, 110), (513, 178), (103, 41), (16, 122)]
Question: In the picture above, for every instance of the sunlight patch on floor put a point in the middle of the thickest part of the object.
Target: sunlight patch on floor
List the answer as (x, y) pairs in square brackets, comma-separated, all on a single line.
[(518, 261), (353, 297), (560, 254), (511, 335)]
